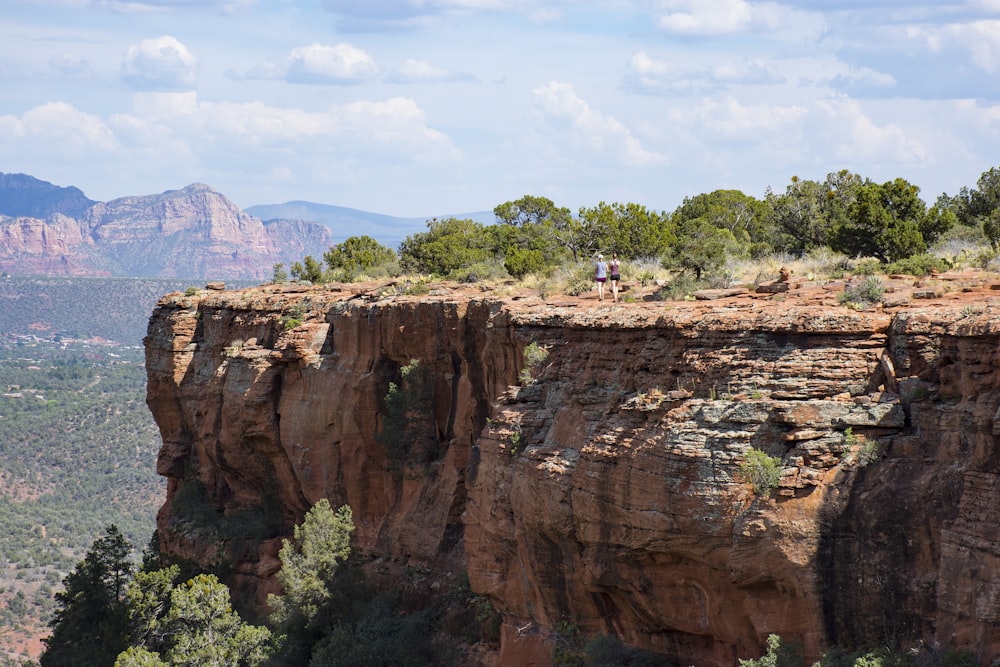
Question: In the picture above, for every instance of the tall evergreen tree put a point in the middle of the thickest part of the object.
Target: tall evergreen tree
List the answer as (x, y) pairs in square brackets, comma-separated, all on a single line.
[(89, 627)]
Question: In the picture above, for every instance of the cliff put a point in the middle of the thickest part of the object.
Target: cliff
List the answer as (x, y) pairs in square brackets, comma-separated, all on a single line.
[(194, 232), (607, 489)]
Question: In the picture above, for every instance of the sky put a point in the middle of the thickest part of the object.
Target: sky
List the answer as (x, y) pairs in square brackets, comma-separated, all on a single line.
[(424, 107)]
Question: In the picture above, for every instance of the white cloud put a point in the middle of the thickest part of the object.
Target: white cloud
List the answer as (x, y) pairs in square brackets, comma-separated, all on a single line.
[(58, 125), (588, 130), (659, 75), (728, 118), (857, 139), (420, 71), (724, 17), (154, 6), (161, 63), (70, 64), (395, 126), (981, 39), (318, 64), (705, 17)]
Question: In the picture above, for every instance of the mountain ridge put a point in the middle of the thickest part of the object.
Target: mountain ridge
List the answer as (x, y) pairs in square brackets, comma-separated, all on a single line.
[(191, 232)]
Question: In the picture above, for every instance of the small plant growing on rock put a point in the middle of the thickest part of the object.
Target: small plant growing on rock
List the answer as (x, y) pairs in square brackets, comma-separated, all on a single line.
[(516, 441), (292, 317), (761, 471), (864, 451), (190, 291), (534, 356), (409, 433), (233, 348)]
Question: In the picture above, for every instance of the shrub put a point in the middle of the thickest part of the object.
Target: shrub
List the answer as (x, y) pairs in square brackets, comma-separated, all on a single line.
[(519, 262), (867, 293), (778, 655), (479, 272), (409, 433), (358, 254), (868, 266), (190, 291), (761, 471), (534, 356), (917, 265)]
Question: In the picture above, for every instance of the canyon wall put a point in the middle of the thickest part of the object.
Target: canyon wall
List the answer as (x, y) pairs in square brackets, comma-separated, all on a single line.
[(605, 488)]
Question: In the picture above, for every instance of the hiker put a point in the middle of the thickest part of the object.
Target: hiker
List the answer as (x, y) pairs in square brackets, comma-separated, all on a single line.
[(616, 275), (600, 275)]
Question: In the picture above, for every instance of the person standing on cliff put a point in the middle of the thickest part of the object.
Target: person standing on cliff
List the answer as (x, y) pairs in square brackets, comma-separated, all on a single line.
[(600, 275), (615, 276)]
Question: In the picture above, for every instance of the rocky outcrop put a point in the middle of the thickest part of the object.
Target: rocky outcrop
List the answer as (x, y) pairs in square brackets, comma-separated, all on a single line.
[(605, 484), (194, 232)]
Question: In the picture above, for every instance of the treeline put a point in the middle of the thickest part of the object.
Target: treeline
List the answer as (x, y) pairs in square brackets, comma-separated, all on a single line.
[(844, 213), (169, 613)]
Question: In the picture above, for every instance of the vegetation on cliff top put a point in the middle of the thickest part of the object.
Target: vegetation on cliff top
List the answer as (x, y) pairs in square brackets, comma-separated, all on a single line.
[(711, 239)]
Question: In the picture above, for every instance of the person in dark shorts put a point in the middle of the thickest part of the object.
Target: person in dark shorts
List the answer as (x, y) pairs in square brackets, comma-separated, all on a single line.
[(600, 275), (615, 276)]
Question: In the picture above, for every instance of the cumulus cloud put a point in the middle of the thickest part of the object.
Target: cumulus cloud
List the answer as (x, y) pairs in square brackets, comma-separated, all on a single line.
[(318, 64), (419, 71), (589, 130), (161, 63), (659, 75), (723, 17), (858, 139), (396, 127), (58, 124), (729, 118)]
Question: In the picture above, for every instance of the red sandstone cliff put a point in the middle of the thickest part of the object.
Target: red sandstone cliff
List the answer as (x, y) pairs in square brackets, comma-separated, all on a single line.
[(188, 233), (607, 490)]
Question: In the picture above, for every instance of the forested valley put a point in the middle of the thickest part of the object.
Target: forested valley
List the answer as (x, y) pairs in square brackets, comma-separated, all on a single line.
[(79, 452)]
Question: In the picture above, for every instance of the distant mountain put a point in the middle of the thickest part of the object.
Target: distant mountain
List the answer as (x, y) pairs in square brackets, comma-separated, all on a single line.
[(26, 196), (388, 230), (194, 233)]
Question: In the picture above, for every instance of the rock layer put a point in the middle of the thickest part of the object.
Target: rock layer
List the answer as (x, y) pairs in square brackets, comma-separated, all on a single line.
[(608, 488)]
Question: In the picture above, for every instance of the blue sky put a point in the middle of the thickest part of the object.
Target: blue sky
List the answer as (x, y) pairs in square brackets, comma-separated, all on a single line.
[(423, 107)]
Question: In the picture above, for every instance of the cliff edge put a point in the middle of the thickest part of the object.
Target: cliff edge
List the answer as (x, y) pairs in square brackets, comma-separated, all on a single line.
[(602, 483)]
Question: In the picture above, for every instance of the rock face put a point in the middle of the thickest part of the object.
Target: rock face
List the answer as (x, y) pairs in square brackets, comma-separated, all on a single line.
[(194, 232), (608, 489)]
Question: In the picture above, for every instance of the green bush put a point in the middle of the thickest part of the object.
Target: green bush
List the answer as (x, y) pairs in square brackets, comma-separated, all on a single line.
[(447, 246), (867, 293), (868, 266), (918, 265), (778, 655), (409, 432), (358, 254), (761, 471), (519, 262), (534, 357)]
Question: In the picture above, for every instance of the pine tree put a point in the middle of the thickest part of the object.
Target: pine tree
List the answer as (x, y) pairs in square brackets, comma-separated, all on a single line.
[(89, 627)]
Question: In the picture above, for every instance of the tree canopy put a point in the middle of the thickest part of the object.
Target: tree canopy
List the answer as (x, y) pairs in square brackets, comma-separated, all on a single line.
[(89, 625)]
